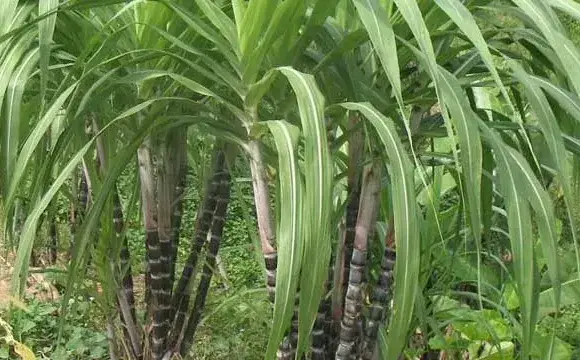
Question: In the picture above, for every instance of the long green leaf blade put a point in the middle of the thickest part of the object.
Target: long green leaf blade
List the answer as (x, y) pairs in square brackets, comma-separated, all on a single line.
[(32, 142), (318, 192), (464, 121), (45, 33), (289, 235)]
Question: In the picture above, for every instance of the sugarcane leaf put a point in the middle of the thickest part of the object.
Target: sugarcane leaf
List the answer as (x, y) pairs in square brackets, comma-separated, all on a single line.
[(549, 126), (317, 206), (45, 33), (32, 142), (206, 31), (30, 226), (286, 16), (525, 270), (12, 120), (551, 28), (567, 100), (289, 236), (406, 227), (517, 182), (568, 6), (256, 17), (10, 75), (570, 296), (239, 7), (464, 122), (7, 10), (540, 201), (464, 19), (221, 21), (380, 30)]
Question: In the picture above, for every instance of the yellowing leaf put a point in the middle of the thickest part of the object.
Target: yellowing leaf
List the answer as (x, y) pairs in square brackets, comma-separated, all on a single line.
[(23, 351)]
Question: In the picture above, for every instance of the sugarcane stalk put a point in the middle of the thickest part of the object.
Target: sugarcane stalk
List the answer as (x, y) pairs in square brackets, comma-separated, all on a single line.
[(53, 240), (265, 225), (126, 295), (216, 231), (179, 194), (381, 297), (321, 328), (287, 348), (366, 219), (149, 210), (205, 215), (161, 271), (355, 155)]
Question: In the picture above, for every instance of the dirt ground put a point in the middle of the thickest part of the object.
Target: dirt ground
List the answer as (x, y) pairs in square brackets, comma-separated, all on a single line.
[(37, 286)]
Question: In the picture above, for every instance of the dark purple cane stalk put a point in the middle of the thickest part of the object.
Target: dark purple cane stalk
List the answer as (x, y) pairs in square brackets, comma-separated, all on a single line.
[(380, 299), (355, 155), (287, 348), (205, 215), (53, 240), (216, 231), (350, 325), (126, 296)]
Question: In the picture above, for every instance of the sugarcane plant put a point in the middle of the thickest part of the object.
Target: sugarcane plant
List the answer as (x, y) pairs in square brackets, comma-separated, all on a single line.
[(357, 118)]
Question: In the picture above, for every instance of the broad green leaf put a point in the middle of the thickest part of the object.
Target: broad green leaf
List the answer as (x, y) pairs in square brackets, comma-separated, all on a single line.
[(45, 32), (406, 227), (289, 235), (318, 190), (570, 296)]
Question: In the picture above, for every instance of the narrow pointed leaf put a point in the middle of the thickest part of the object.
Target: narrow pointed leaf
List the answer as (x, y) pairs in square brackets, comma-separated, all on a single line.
[(289, 236), (45, 32), (464, 121), (318, 199), (32, 142), (565, 49), (256, 17), (221, 21)]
